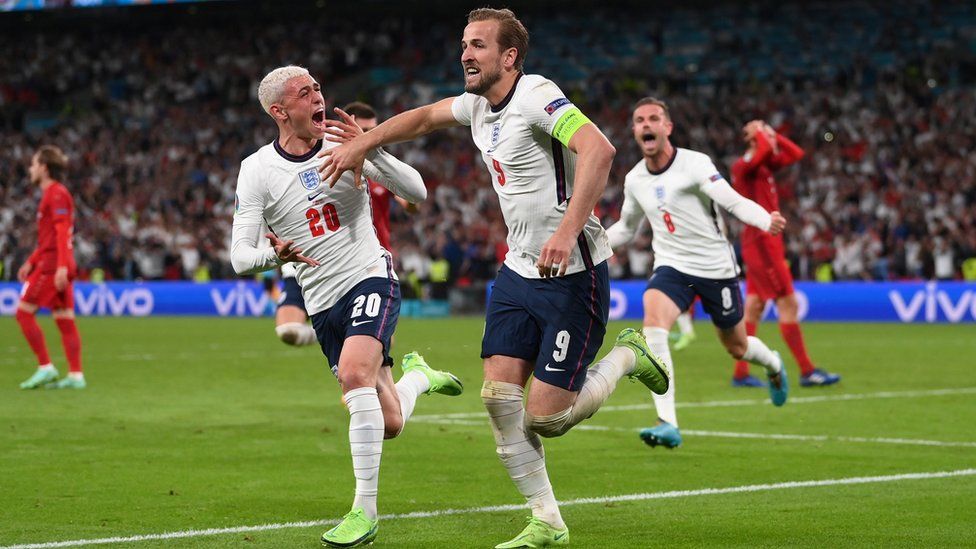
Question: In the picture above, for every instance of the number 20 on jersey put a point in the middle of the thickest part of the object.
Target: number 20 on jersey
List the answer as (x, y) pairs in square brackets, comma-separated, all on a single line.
[(315, 219)]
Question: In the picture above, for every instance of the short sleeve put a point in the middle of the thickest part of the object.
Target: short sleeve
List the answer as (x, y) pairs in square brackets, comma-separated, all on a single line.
[(544, 105), (462, 108)]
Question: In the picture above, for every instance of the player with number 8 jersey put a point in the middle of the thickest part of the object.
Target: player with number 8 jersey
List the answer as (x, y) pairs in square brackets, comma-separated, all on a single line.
[(679, 192)]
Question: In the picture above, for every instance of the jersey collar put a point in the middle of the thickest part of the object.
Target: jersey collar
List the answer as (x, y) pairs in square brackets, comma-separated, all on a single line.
[(508, 98), (295, 158), (666, 166)]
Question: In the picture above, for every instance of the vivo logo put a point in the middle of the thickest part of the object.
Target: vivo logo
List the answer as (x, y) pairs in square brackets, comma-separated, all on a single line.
[(618, 304), (239, 301), (930, 301), (102, 301)]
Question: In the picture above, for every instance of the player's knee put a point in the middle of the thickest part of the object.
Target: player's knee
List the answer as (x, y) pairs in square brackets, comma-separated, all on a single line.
[(554, 425), (737, 348), (289, 332), (353, 376)]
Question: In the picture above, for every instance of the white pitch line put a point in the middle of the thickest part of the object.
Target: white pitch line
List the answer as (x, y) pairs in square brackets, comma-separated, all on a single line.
[(729, 434), (729, 403), (499, 508)]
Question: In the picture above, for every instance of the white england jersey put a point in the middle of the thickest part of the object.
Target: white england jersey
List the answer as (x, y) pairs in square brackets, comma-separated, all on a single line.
[(681, 202), (333, 226), (531, 171)]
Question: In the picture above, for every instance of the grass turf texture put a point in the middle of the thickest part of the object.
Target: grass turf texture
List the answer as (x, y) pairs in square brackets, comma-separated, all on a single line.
[(204, 423)]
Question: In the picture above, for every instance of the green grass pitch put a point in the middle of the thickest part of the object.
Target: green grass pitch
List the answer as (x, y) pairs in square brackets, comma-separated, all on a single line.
[(190, 424)]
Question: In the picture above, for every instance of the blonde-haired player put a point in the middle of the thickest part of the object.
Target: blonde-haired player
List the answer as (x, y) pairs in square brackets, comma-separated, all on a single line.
[(347, 279)]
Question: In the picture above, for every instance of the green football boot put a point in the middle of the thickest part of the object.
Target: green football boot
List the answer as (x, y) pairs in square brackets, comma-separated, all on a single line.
[(684, 340), (649, 370), (444, 383), (67, 383), (537, 534), (355, 530), (41, 377)]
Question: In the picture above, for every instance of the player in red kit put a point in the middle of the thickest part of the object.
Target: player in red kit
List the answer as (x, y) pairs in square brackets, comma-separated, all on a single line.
[(48, 273), (767, 273)]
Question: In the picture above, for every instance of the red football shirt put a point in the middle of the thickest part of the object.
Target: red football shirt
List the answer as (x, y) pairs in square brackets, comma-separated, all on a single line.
[(752, 175), (380, 197), (55, 223)]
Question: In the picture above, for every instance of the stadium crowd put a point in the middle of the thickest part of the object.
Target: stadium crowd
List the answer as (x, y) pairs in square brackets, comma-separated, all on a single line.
[(887, 189)]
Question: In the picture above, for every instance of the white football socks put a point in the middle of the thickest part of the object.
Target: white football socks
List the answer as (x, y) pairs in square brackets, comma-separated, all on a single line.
[(685, 325), (758, 353), (601, 380), (411, 385), (657, 340), (521, 452), (296, 333), (366, 443)]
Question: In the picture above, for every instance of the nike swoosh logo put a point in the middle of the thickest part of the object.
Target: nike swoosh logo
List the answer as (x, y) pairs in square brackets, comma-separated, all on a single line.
[(558, 537), (314, 196), (360, 322), (548, 369)]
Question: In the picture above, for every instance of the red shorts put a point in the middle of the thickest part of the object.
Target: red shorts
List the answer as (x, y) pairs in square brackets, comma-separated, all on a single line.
[(39, 290), (767, 273)]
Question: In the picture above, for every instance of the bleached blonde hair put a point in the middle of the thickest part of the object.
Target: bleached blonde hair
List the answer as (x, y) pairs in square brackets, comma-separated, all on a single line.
[(272, 86)]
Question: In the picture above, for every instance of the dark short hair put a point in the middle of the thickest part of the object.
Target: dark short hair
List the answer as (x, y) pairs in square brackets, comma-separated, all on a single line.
[(359, 109), (55, 161), (653, 101), (511, 31)]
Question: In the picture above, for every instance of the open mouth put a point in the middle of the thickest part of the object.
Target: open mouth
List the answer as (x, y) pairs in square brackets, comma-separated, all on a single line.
[(470, 72), (648, 138), (318, 116)]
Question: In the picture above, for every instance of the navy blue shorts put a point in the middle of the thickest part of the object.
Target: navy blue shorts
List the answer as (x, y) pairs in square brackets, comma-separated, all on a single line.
[(371, 308), (557, 323), (291, 294), (721, 299)]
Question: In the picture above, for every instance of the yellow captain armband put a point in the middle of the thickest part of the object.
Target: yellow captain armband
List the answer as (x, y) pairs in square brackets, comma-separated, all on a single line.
[(568, 124)]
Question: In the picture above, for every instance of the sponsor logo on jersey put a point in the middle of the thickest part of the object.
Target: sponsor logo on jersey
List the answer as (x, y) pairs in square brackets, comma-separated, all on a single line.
[(310, 178), (552, 107), (659, 192), (716, 177)]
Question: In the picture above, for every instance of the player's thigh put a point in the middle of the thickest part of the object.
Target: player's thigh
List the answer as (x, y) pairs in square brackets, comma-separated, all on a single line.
[(63, 313), (788, 308), (546, 399), (572, 312), (754, 308), (360, 362), (288, 314), (38, 291), (511, 331), (369, 310), (668, 294), (721, 299), (507, 369)]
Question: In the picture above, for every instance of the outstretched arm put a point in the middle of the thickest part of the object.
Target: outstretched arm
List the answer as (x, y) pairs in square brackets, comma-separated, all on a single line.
[(742, 208), (631, 217), (402, 127), (380, 166)]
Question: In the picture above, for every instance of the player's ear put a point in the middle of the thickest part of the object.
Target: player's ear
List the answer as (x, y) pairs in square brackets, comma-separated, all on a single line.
[(278, 112), (508, 57)]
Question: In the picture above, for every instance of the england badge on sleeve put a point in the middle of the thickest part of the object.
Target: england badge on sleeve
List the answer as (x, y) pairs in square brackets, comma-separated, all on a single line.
[(310, 179)]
